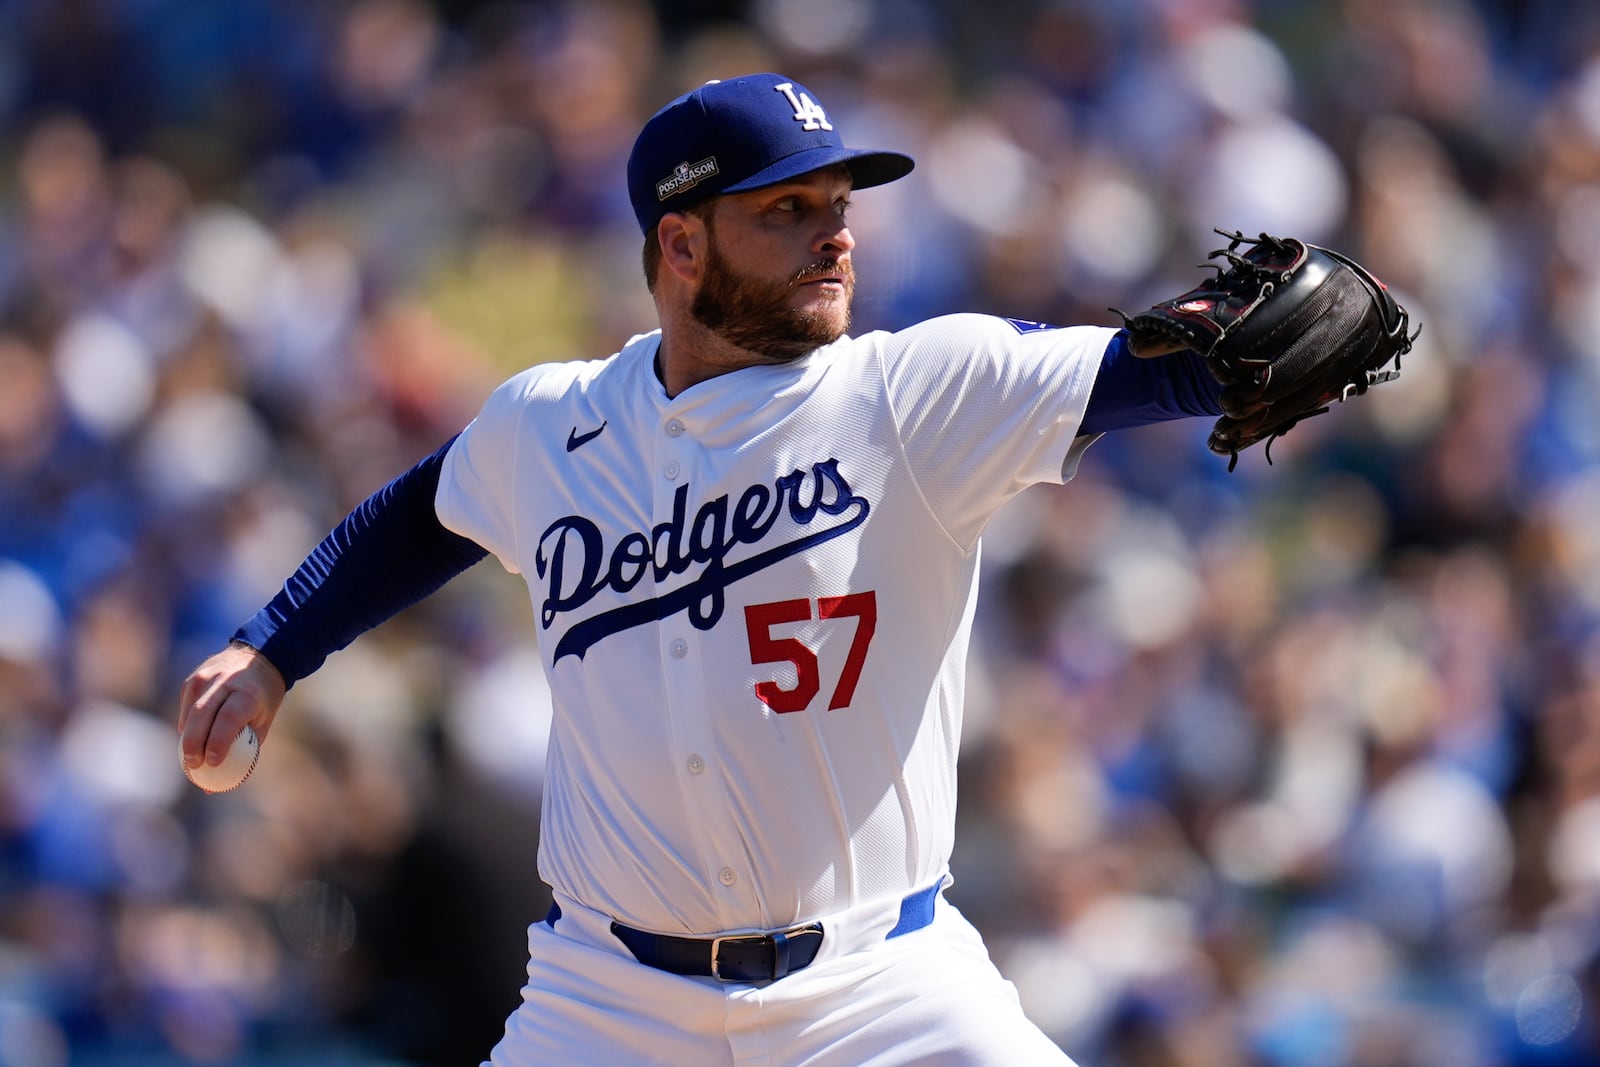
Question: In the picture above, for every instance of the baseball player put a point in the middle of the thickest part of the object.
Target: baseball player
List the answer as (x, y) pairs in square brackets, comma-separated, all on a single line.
[(752, 547)]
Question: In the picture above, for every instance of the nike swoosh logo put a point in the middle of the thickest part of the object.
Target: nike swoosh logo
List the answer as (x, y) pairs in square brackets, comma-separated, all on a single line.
[(576, 439)]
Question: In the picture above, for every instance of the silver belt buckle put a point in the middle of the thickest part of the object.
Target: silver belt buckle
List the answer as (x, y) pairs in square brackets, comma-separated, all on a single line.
[(716, 949), (717, 943)]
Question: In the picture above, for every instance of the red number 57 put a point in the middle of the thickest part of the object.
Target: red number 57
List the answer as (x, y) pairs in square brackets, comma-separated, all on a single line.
[(764, 648)]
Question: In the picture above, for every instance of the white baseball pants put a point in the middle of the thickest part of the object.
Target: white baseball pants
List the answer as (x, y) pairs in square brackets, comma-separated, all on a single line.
[(929, 998)]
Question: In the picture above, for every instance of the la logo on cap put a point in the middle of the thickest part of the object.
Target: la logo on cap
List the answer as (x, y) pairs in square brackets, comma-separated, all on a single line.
[(807, 111)]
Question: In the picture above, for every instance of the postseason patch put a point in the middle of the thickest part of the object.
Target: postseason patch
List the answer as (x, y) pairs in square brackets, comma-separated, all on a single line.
[(1030, 325), (686, 176)]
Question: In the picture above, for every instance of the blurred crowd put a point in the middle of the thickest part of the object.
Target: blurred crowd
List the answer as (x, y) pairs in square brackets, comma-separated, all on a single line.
[(1297, 766)]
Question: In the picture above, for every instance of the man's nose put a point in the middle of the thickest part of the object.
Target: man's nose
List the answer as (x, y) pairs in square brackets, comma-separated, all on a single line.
[(835, 239)]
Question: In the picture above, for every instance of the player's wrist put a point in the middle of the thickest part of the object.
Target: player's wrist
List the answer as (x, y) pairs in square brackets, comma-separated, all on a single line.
[(261, 658), (1150, 348)]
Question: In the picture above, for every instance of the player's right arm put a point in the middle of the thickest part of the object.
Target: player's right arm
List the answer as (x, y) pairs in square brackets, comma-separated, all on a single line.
[(387, 554), (235, 686)]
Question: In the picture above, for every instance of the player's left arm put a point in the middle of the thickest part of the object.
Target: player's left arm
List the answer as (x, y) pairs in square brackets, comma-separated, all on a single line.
[(1135, 390)]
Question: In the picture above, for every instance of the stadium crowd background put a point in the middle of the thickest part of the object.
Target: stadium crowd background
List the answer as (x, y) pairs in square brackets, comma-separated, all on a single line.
[(1294, 767)]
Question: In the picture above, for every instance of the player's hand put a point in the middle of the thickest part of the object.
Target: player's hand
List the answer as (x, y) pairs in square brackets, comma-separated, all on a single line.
[(236, 686)]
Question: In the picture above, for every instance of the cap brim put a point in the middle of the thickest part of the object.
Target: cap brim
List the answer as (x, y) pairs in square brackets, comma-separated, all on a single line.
[(867, 167)]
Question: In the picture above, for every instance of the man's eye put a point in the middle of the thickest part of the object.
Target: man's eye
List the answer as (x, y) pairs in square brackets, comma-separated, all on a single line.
[(842, 207)]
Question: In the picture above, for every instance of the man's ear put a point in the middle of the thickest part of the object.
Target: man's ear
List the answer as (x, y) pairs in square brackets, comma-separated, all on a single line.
[(683, 244)]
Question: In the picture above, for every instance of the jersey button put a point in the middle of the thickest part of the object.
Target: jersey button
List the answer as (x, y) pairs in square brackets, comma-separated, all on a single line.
[(696, 765), (674, 428), (726, 876), (671, 471), (679, 648)]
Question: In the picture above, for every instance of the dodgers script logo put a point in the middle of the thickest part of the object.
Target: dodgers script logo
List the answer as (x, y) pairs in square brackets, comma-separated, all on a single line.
[(574, 557)]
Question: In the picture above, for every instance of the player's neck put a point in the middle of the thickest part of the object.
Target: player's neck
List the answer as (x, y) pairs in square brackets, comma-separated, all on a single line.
[(690, 354)]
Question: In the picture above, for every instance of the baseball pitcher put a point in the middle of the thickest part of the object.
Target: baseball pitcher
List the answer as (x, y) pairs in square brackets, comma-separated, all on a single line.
[(751, 543)]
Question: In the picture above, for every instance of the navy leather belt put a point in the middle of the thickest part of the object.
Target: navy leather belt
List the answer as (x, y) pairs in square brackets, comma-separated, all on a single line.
[(733, 958), (755, 957)]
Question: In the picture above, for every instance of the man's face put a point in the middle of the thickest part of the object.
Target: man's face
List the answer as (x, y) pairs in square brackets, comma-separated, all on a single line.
[(778, 279)]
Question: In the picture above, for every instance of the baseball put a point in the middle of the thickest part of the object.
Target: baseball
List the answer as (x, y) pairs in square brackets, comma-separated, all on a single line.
[(234, 768)]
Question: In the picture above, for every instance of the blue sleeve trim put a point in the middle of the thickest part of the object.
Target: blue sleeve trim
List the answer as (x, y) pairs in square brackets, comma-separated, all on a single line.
[(1135, 392), (387, 554)]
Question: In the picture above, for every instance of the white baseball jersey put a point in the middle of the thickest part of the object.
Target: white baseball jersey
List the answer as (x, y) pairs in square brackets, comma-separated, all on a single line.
[(754, 602)]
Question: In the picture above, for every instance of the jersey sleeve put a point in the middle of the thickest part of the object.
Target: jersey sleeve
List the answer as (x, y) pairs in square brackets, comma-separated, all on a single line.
[(474, 498), (387, 554), (988, 406)]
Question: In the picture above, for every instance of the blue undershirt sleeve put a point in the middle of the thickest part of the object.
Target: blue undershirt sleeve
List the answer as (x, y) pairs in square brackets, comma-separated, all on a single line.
[(1135, 392), (387, 554)]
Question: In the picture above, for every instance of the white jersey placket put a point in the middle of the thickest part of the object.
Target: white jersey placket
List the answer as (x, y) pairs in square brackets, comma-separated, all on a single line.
[(687, 699)]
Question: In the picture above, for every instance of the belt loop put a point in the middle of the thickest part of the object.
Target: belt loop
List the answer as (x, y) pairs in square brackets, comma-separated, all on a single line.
[(916, 910), (780, 956)]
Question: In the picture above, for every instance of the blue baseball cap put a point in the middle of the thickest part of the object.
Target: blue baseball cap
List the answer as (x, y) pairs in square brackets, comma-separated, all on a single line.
[(739, 134)]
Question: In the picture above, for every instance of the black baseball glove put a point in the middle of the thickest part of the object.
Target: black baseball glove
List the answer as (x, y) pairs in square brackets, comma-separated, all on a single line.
[(1287, 328)]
